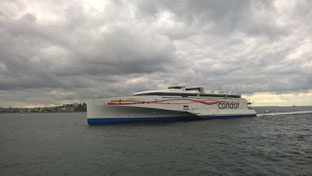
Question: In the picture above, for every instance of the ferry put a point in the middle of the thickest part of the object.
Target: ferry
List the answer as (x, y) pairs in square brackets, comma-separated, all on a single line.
[(174, 103)]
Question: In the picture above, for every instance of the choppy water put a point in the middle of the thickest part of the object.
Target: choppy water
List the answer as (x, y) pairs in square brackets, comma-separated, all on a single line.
[(63, 144)]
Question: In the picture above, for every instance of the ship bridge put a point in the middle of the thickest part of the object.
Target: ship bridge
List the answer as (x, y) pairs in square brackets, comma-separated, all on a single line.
[(183, 91)]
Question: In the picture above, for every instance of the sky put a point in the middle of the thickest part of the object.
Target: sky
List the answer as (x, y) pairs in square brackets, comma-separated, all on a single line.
[(54, 52)]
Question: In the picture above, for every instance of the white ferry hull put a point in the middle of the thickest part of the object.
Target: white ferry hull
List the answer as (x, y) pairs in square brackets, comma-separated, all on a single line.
[(98, 113), (153, 108)]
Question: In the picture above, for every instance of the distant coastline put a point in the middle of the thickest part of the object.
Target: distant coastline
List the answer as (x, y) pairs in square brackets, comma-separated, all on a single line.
[(82, 107), (75, 107)]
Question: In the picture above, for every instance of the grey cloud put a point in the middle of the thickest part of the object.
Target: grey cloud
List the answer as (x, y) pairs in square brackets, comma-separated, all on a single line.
[(72, 51), (118, 52), (220, 17)]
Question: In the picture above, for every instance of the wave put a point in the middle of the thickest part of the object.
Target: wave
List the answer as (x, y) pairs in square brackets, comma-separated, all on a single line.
[(284, 113)]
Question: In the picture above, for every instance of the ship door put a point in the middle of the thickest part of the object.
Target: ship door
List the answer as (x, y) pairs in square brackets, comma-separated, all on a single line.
[(185, 107)]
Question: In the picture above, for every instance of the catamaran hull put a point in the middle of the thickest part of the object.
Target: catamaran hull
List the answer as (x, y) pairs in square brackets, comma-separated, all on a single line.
[(99, 112), (103, 114)]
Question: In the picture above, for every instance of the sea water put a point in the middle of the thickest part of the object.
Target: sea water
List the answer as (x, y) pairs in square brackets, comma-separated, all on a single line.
[(63, 144)]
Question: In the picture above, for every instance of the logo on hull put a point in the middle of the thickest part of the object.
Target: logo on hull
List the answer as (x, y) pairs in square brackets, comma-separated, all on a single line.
[(228, 105)]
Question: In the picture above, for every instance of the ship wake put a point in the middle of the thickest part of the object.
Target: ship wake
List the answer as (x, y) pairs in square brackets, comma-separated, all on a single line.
[(284, 113)]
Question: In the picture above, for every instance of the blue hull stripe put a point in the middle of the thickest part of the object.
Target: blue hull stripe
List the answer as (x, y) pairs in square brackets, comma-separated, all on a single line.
[(109, 120)]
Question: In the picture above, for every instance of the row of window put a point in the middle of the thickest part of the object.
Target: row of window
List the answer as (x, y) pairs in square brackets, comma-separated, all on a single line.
[(189, 94)]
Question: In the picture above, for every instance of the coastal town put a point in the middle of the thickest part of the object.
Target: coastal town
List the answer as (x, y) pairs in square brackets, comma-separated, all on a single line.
[(75, 107)]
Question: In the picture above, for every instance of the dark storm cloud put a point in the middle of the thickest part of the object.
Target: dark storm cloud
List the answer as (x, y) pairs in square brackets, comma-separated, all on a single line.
[(36, 55), (57, 51)]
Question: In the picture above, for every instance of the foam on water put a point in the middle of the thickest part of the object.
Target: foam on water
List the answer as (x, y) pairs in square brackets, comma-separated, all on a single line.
[(283, 113)]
